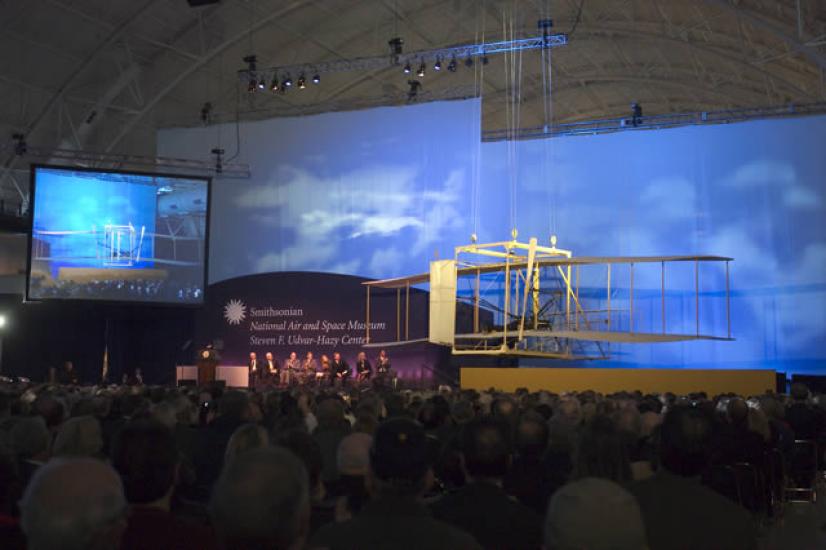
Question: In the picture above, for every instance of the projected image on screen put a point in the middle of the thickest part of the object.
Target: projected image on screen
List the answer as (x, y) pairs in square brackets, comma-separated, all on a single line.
[(117, 236)]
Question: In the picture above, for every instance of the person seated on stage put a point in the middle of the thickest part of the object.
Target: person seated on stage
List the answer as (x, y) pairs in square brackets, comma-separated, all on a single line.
[(340, 369), (325, 369), (309, 367), (270, 366), (363, 368), (382, 368), (290, 369), (262, 500), (254, 370), (68, 375)]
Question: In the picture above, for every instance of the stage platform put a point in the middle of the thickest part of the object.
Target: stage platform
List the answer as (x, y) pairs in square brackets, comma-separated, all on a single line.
[(607, 380)]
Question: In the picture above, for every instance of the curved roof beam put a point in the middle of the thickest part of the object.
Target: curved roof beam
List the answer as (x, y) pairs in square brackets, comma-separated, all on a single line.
[(740, 11), (200, 62)]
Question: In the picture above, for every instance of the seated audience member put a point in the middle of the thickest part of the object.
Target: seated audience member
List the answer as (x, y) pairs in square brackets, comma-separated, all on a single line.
[(528, 479), (30, 443), (805, 420), (602, 452), (353, 463), (481, 507), (145, 456), (73, 504), (302, 445), (678, 511), (395, 517), (594, 514), (245, 438), (332, 428), (735, 442), (209, 455), (262, 501), (11, 537), (78, 437)]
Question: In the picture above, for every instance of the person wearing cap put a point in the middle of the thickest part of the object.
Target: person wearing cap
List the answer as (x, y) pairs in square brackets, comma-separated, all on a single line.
[(398, 476)]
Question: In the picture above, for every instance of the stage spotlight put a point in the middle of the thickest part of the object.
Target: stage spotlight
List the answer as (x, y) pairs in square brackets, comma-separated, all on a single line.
[(485, 60), (274, 84), (421, 70), (262, 84), (316, 78), (469, 62), (407, 68), (283, 88), (302, 82), (288, 81), (2, 321), (452, 65), (252, 85), (438, 65)]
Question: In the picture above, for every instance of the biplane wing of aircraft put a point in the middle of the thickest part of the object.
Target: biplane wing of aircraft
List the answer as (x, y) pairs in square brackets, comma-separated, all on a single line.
[(526, 299)]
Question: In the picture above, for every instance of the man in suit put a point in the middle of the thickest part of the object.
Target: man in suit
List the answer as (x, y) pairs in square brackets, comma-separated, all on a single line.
[(678, 511), (255, 369), (270, 367), (308, 368), (291, 366), (341, 370)]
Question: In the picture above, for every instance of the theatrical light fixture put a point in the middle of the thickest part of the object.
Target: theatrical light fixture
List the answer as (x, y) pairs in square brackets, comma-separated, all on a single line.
[(288, 81), (407, 68), (251, 86), (283, 88), (469, 62), (452, 65), (302, 82), (485, 60), (2, 321), (262, 84), (316, 79), (274, 84), (395, 45), (438, 65), (421, 70)]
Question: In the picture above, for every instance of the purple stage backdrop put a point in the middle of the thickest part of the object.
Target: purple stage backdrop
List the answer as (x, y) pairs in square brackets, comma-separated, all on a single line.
[(319, 312)]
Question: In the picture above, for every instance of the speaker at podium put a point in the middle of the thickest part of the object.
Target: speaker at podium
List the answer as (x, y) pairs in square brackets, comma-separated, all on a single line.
[(207, 361)]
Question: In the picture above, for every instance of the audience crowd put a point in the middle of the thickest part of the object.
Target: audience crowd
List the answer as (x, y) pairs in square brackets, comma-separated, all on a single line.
[(140, 467)]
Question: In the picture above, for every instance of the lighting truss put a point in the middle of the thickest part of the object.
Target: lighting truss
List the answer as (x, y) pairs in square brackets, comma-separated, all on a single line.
[(462, 52)]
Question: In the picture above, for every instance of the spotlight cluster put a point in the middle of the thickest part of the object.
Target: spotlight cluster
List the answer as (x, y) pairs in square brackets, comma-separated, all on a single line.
[(278, 83)]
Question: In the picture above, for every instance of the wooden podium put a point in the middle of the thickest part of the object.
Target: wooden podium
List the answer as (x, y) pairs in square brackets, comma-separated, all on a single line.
[(207, 361)]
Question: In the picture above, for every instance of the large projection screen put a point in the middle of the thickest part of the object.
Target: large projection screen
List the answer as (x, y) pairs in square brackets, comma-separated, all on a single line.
[(117, 236)]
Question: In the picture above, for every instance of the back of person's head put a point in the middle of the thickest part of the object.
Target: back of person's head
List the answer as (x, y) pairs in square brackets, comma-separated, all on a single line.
[(532, 436), (504, 408), (145, 456), (51, 409), (462, 411), (594, 514), (245, 438), (799, 392), (166, 413), (738, 412), (330, 413), (486, 448), (684, 440), (30, 438), (262, 501), (399, 459), (602, 452), (73, 504), (353, 455), (233, 404), (79, 436), (308, 450)]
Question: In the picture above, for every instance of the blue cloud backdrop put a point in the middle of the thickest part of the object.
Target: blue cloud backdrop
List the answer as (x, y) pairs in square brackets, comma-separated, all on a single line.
[(380, 192)]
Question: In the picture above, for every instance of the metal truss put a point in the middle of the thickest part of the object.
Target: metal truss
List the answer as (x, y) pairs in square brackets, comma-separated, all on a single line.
[(655, 122), (112, 161), (453, 53)]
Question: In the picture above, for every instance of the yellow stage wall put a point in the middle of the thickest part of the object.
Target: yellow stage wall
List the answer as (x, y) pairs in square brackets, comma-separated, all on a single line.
[(713, 382)]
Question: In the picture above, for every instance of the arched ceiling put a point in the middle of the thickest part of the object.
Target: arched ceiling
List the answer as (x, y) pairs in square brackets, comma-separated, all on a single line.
[(103, 75)]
